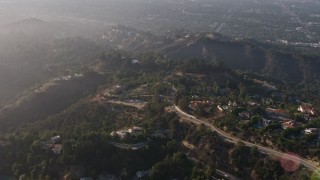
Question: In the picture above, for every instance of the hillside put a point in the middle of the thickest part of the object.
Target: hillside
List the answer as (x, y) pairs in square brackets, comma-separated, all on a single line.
[(235, 54), (23, 65), (93, 98), (27, 65), (48, 99), (246, 56)]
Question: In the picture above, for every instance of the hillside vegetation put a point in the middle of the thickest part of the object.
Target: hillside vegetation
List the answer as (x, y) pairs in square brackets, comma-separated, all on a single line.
[(236, 54)]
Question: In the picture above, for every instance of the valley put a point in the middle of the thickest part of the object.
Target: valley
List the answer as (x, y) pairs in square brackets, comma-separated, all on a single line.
[(159, 90)]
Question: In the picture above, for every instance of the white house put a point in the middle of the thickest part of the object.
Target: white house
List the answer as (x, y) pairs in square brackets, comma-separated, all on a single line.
[(55, 139), (135, 61), (311, 131), (223, 108), (122, 134), (135, 130), (232, 104)]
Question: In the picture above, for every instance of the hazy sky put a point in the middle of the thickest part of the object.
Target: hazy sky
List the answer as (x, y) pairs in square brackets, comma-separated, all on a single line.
[(79, 10), (15, 10)]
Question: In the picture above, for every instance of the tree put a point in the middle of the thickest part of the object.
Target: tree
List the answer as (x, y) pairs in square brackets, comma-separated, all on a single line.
[(67, 153), (239, 145), (242, 90), (176, 166), (17, 169), (209, 171), (268, 169), (297, 117), (36, 147), (255, 119), (171, 145)]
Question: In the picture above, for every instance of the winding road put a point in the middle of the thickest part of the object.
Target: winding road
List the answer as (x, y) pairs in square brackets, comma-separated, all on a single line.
[(298, 160)]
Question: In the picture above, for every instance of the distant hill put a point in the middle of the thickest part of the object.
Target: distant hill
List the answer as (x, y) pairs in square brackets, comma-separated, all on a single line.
[(235, 54), (246, 56), (31, 27), (32, 22)]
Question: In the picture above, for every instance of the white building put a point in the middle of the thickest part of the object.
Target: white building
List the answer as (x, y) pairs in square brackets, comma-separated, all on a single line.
[(135, 130), (311, 131), (55, 139)]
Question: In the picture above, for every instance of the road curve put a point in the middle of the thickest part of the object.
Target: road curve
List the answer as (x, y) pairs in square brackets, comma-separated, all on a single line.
[(311, 166)]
